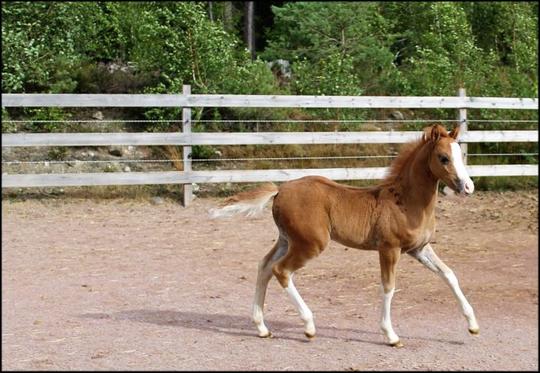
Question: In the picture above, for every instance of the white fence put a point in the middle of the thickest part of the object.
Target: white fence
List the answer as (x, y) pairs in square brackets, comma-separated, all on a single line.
[(186, 139)]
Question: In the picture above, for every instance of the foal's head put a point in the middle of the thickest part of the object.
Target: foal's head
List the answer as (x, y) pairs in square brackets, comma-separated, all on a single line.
[(446, 161)]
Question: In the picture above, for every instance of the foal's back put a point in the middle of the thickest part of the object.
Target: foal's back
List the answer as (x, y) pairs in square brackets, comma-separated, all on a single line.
[(314, 209)]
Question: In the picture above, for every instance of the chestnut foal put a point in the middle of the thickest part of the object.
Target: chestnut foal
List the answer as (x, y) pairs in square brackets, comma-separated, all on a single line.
[(397, 216)]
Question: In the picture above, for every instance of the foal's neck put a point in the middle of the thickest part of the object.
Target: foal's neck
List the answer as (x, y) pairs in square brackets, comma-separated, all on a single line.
[(417, 183)]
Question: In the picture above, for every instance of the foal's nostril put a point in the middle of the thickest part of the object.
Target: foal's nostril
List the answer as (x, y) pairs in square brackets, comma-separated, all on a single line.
[(468, 188)]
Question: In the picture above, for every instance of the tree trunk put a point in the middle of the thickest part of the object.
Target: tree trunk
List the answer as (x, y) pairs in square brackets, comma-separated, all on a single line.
[(227, 16), (249, 34), (210, 13)]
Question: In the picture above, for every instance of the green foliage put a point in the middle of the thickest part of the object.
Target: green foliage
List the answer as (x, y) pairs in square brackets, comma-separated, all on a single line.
[(7, 125), (347, 48), (333, 49), (55, 47), (408, 48), (437, 50), (478, 45), (37, 51), (57, 153), (202, 152), (46, 119), (179, 41), (98, 78), (334, 75)]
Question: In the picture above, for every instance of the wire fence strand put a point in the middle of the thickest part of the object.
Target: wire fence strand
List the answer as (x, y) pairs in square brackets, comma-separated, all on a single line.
[(254, 159)]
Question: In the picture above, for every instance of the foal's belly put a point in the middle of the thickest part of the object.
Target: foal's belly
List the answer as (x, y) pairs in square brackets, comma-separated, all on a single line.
[(362, 244), (375, 240)]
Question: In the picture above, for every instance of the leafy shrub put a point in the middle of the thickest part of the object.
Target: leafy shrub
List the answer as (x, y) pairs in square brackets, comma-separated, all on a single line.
[(48, 119)]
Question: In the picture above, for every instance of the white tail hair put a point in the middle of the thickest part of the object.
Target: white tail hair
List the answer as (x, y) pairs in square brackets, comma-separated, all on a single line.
[(249, 203)]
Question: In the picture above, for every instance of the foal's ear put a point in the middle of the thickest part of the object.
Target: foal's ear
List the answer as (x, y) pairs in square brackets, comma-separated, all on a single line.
[(433, 133), (455, 132)]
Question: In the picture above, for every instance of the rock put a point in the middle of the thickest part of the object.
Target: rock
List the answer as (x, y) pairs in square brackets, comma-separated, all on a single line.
[(127, 169), (371, 127), (396, 115), (156, 200), (117, 151), (98, 115), (280, 67)]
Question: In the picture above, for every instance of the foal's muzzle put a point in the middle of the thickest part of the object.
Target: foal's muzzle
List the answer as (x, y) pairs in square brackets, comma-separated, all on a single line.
[(464, 187)]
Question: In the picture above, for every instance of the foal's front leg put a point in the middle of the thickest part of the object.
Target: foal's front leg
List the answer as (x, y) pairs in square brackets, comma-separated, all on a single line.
[(388, 259), (427, 257)]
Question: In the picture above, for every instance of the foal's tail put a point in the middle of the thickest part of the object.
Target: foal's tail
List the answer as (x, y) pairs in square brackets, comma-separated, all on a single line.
[(249, 203)]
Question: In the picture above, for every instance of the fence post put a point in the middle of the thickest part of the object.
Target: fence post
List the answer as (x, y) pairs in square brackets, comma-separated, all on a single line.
[(186, 150), (462, 117)]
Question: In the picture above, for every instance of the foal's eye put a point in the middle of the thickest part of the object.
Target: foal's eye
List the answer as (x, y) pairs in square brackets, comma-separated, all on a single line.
[(444, 159)]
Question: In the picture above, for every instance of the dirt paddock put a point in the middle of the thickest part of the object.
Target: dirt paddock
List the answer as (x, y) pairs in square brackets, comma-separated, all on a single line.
[(123, 285)]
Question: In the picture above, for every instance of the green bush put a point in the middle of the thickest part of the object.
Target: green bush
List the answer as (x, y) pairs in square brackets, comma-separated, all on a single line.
[(57, 153), (49, 119), (7, 125)]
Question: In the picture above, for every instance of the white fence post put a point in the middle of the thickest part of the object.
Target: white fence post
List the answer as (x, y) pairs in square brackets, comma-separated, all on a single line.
[(186, 130), (462, 116)]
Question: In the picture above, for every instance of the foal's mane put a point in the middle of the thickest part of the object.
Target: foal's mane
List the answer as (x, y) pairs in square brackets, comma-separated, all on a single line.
[(432, 133), (407, 151)]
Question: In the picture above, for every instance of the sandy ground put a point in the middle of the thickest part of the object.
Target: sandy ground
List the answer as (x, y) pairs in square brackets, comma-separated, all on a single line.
[(124, 285)]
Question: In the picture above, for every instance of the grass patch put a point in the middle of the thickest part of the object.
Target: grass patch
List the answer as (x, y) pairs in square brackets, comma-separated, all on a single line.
[(505, 183)]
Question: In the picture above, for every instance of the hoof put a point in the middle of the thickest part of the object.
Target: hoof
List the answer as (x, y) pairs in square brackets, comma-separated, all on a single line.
[(397, 344), (474, 331), (266, 335), (309, 335)]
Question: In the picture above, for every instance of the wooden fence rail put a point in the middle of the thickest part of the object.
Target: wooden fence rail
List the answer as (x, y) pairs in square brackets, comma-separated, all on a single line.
[(281, 101), (232, 176), (245, 138), (187, 138)]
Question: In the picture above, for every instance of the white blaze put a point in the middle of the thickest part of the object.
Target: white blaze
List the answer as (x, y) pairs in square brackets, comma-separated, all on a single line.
[(461, 171)]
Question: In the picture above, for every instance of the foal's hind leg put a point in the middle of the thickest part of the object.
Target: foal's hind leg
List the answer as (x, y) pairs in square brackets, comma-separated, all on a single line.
[(388, 260), (427, 257), (283, 270), (264, 275)]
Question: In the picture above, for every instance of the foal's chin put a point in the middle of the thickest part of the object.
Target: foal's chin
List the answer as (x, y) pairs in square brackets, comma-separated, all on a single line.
[(462, 194), (458, 192)]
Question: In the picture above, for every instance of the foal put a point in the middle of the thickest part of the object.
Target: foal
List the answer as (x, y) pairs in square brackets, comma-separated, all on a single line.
[(397, 216)]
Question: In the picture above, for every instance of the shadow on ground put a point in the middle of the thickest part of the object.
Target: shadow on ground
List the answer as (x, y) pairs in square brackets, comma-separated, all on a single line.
[(242, 326)]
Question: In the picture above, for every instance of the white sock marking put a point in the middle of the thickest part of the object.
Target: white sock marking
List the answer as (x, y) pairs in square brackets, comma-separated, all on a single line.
[(428, 257), (386, 321), (301, 306), (258, 319), (466, 308)]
